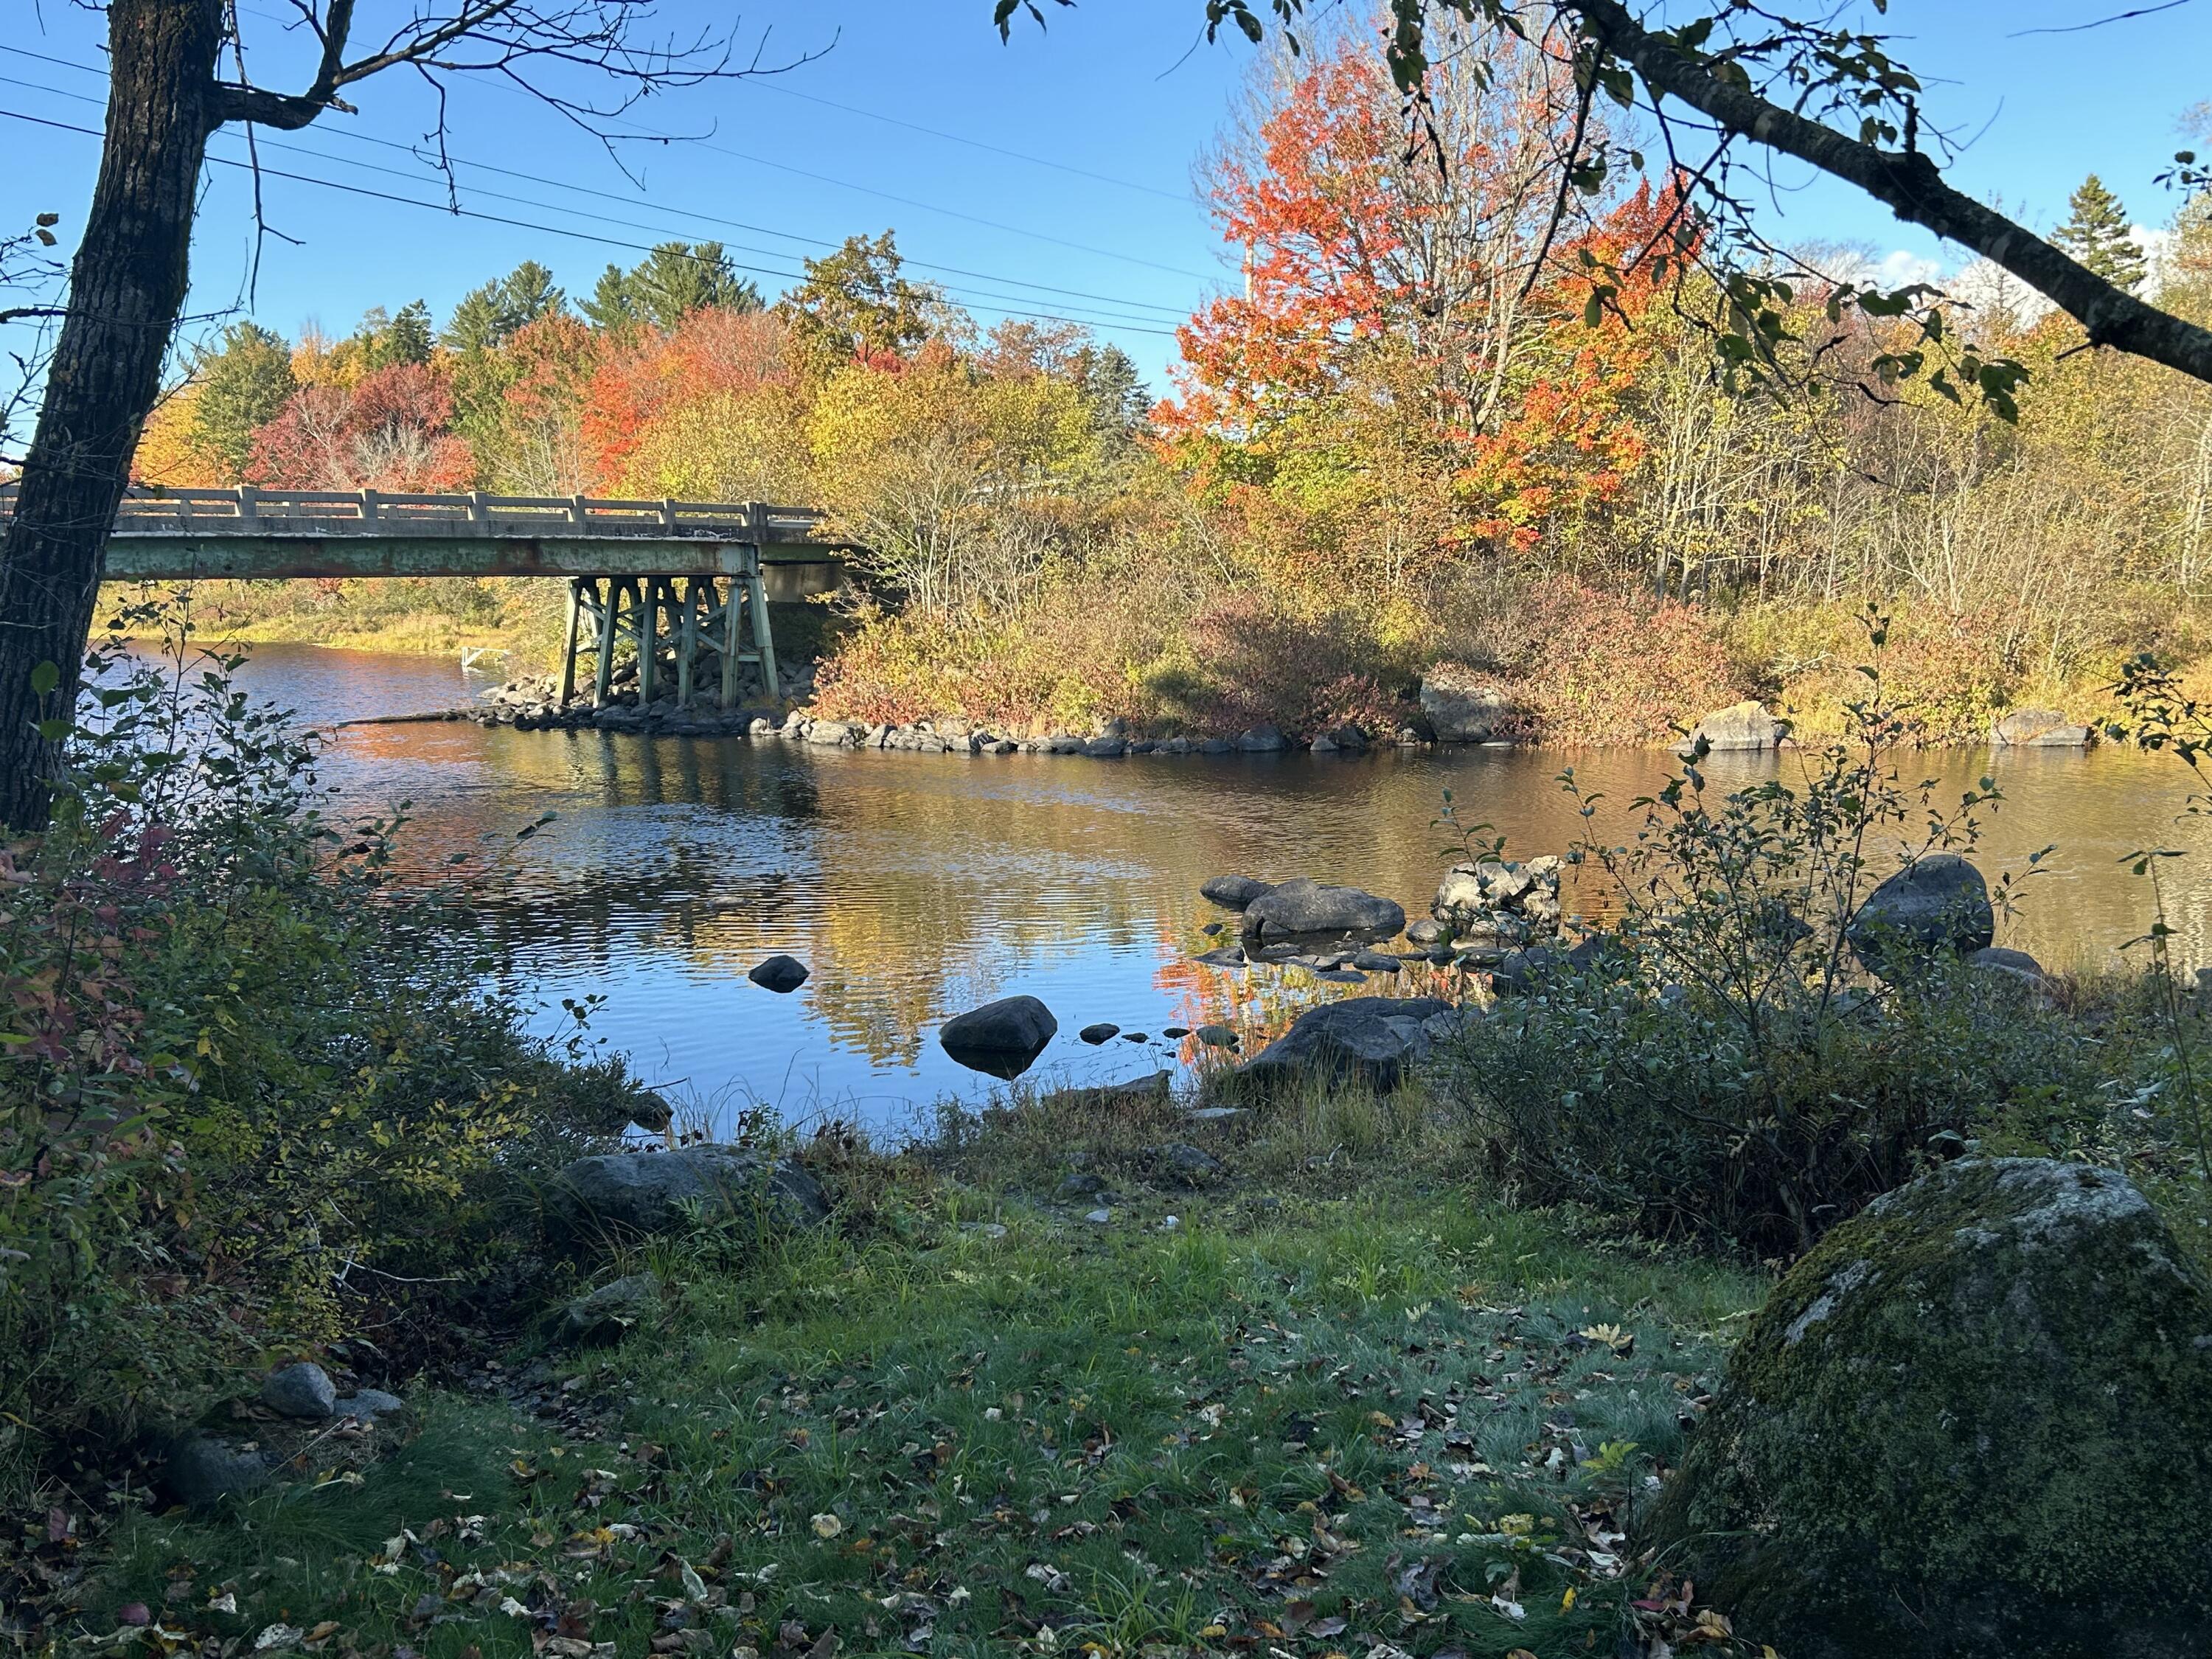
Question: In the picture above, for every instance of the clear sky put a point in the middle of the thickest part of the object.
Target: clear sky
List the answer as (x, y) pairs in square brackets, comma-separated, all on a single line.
[(1075, 174)]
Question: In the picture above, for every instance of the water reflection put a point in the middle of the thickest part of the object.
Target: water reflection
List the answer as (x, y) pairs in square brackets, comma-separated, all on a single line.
[(915, 886)]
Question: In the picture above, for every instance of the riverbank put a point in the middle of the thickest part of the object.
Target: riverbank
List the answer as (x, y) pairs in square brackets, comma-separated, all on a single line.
[(1260, 1402)]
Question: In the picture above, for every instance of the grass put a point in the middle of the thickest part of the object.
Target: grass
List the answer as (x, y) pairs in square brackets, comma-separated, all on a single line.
[(1308, 1414)]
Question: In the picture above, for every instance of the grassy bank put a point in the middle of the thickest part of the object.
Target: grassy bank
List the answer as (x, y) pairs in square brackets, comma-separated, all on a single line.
[(1310, 1414)]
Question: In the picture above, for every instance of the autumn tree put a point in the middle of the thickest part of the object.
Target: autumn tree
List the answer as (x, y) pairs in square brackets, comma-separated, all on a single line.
[(393, 430), (671, 283), (167, 95), (856, 306), (2096, 233), (242, 385)]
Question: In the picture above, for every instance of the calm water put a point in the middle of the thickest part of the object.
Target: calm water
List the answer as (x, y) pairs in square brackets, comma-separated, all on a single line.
[(916, 885)]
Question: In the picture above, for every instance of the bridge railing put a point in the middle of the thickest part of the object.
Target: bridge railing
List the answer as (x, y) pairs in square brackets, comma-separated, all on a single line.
[(250, 511)]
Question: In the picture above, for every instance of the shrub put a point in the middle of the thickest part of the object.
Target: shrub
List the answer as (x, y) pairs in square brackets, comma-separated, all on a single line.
[(1718, 1066), (244, 1088)]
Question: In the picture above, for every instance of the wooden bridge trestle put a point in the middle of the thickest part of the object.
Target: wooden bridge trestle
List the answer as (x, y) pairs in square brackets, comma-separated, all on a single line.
[(678, 623)]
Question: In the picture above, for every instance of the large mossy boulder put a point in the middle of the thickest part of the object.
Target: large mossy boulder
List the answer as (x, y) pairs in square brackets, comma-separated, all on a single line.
[(1310, 908), (1975, 1421)]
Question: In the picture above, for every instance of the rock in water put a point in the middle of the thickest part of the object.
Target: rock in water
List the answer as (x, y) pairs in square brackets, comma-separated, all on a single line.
[(1963, 1428), (1938, 906), (1105, 1032), (780, 974), (1306, 907), (648, 1192), (1370, 1039), (1001, 1038), (1234, 892), (2039, 728), (301, 1390), (1741, 726)]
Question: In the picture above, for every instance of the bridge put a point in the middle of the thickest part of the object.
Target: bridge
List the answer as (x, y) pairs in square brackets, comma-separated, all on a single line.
[(684, 585)]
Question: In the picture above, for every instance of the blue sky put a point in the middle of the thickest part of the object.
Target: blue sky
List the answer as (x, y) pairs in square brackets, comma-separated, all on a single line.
[(1114, 97)]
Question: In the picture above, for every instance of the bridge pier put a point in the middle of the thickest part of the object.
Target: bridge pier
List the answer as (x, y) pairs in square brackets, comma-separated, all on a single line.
[(687, 622)]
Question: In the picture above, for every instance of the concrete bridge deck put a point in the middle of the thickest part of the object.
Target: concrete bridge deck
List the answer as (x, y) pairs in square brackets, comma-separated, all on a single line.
[(177, 535)]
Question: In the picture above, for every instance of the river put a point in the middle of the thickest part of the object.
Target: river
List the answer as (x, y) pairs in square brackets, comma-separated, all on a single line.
[(914, 886)]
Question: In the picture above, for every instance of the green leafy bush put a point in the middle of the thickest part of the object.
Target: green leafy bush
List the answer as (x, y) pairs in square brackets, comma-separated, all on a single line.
[(1718, 1066), (245, 1088)]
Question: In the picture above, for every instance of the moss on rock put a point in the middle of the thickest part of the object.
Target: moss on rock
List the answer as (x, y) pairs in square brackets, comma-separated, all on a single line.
[(1976, 1420)]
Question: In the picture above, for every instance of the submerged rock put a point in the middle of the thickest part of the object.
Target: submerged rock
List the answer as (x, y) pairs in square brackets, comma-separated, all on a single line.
[(780, 974), (1217, 1037), (650, 1192), (1938, 906), (1371, 1039), (1970, 1423)]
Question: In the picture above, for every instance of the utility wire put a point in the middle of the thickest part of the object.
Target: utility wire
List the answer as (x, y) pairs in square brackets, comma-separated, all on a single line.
[(645, 133), (1104, 316), (585, 190), (527, 224)]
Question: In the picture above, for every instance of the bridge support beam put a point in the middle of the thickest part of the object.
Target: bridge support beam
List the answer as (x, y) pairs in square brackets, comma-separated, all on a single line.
[(687, 624)]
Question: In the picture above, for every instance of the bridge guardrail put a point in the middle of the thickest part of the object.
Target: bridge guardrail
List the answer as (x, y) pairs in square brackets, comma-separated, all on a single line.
[(252, 511)]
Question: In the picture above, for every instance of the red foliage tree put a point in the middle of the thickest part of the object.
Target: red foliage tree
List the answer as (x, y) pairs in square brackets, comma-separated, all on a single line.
[(392, 430)]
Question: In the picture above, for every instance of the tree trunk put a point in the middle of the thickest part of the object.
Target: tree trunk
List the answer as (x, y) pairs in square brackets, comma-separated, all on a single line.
[(126, 290)]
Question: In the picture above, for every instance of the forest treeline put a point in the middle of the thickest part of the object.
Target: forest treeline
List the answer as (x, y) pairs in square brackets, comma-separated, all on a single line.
[(1455, 411)]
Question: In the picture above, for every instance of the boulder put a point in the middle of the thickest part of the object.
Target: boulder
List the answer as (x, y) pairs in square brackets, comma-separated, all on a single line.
[(648, 1192), (302, 1391), (1010, 1025), (1973, 1422), (1106, 748), (2039, 728), (1426, 931), (1461, 708), (1938, 906), (1370, 1040), (2018, 969), (1217, 1037), (1146, 1091), (1740, 727), (1376, 962), (611, 1308), (1192, 1166), (366, 1404), (1261, 739), (780, 974), (1234, 892), (1498, 901), (201, 1470), (1105, 1032), (1309, 907), (831, 734), (1217, 747)]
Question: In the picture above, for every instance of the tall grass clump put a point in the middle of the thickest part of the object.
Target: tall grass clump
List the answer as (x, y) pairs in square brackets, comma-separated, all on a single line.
[(246, 1089)]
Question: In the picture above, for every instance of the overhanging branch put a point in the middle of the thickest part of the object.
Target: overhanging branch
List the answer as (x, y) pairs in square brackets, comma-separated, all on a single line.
[(1909, 183)]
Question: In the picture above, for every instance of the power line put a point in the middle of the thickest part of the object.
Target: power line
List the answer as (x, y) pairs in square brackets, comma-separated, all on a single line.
[(1102, 316), (645, 132), (526, 224), (585, 190), (767, 85)]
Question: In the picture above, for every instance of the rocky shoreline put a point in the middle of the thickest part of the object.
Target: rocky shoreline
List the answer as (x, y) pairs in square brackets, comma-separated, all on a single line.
[(533, 705)]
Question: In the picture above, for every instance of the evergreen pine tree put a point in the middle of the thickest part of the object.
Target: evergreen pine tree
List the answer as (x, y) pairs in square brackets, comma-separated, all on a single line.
[(487, 317), (406, 338), (2096, 234), (243, 386), (671, 283)]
